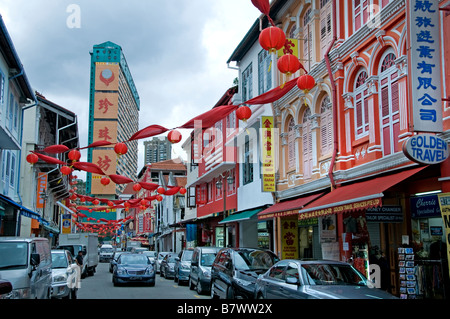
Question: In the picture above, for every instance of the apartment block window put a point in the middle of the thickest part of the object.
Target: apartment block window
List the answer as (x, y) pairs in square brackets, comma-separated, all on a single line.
[(247, 83), (248, 161), (264, 71), (361, 105)]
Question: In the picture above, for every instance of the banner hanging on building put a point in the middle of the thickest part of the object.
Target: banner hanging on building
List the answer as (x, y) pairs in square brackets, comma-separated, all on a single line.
[(268, 154), (444, 203)]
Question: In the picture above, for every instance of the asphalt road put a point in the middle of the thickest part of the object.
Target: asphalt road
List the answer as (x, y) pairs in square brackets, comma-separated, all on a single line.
[(100, 286)]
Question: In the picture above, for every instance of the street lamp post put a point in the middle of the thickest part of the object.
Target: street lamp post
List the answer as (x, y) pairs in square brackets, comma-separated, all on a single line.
[(229, 180)]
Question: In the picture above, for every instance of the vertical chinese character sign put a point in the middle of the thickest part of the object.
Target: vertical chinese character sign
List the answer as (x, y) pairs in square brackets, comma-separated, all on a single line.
[(289, 237), (41, 188), (425, 65), (268, 154)]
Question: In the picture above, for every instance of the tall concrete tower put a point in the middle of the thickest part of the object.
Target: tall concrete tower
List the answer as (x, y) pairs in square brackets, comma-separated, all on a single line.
[(113, 116)]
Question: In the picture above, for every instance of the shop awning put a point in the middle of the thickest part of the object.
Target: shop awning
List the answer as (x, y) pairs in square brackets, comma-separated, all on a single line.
[(288, 207), (23, 210), (361, 195), (244, 215)]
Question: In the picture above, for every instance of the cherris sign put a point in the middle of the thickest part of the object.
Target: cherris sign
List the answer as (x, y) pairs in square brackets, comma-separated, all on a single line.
[(426, 149)]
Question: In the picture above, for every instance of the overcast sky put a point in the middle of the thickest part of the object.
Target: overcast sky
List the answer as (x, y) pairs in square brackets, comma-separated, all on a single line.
[(176, 51)]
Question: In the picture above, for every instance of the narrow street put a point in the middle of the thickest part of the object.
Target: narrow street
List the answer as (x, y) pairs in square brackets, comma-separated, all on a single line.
[(100, 286)]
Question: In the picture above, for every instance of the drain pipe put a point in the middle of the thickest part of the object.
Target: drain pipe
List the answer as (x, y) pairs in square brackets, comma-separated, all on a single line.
[(334, 98)]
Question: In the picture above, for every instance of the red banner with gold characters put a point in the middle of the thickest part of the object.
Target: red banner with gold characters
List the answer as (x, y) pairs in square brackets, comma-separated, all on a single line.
[(268, 154), (289, 237), (41, 188)]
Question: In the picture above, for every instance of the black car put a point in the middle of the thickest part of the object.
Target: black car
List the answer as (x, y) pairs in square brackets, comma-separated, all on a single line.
[(167, 267), (133, 268), (235, 271), (113, 261), (183, 265)]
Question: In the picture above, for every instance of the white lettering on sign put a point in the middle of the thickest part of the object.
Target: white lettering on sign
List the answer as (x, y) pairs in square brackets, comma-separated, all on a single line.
[(426, 149)]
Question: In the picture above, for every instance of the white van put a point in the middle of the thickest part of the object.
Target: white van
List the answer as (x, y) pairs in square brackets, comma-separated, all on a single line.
[(106, 252), (27, 264)]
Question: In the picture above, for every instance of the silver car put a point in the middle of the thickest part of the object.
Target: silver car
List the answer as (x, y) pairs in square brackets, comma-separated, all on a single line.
[(316, 279), (65, 274), (161, 256)]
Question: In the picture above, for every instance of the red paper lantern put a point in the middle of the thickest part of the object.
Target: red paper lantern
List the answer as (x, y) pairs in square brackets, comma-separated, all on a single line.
[(288, 64), (137, 187), (159, 198), (95, 202), (243, 113), (161, 190), (120, 148), (174, 136), (105, 181), (272, 39), (74, 155), (305, 83), (66, 170), (182, 190), (32, 158), (110, 204), (126, 204)]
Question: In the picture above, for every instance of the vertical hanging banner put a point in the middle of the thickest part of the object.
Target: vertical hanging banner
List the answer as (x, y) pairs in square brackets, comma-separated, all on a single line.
[(268, 154), (289, 237), (425, 65), (41, 188), (444, 204)]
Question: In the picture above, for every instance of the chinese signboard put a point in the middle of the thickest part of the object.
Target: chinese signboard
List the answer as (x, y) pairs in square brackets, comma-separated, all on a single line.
[(107, 161), (268, 154), (289, 237), (105, 131), (41, 188), (106, 76), (426, 149), (425, 65), (444, 203), (106, 105)]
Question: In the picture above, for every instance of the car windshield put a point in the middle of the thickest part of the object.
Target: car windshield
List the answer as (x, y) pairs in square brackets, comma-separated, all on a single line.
[(254, 259), (207, 259), (134, 260), (332, 274), (59, 260), (107, 250), (187, 255), (13, 255), (150, 253)]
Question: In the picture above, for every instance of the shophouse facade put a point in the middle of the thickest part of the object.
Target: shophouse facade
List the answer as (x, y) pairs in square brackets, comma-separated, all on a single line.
[(345, 190)]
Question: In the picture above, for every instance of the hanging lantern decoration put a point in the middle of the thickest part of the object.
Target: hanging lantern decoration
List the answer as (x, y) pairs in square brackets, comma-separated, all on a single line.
[(74, 155), (288, 64), (174, 136), (182, 190), (105, 181), (305, 83), (243, 113), (272, 39), (137, 187), (161, 190), (66, 170), (96, 201), (159, 198), (120, 148), (110, 204), (32, 158)]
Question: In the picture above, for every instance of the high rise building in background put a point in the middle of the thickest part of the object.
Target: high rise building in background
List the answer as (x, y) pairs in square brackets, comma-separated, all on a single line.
[(113, 116), (157, 149)]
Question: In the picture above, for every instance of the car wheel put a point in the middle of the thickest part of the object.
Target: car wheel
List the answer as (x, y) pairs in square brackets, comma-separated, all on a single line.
[(230, 293), (199, 288), (175, 278), (213, 294), (260, 296), (190, 284)]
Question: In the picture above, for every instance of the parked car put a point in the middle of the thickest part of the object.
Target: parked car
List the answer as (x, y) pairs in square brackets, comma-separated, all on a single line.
[(113, 261), (167, 265), (235, 270), (65, 274), (133, 268), (200, 272), (316, 279), (27, 264), (183, 265), (151, 254), (161, 256)]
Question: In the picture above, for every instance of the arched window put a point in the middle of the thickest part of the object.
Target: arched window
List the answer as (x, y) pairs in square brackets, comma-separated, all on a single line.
[(307, 144), (361, 105), (291, 144), (326, 126), (389, 104)]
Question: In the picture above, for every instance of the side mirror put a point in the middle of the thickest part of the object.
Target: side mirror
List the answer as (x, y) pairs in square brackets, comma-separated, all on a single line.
[(5, 287), (35, 259), (292, 281)]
